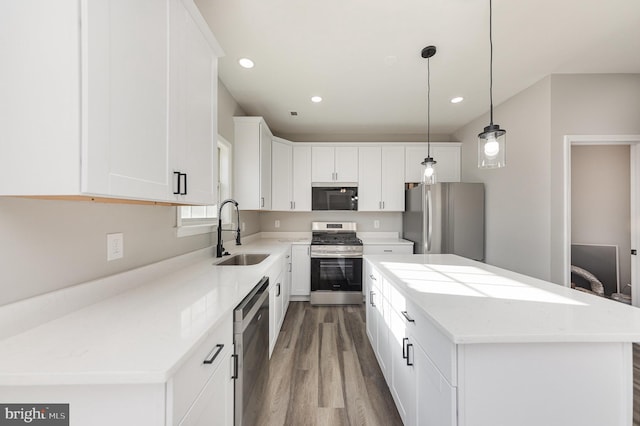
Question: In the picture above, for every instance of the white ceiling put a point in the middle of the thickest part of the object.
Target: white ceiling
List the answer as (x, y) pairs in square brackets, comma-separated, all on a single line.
[(363, 57)]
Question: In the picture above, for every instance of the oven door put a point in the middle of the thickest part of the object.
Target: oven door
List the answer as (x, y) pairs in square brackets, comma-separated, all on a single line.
[(336, 274)]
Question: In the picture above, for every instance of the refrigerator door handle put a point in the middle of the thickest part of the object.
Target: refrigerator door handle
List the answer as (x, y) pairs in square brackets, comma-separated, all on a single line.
[(428, 216)]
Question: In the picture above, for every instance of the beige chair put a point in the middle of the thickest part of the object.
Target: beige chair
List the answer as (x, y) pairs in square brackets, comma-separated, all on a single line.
[(596, 286)]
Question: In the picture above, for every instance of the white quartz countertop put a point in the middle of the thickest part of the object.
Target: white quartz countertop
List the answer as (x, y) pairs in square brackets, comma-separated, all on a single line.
[(139, 336), (471, 302)]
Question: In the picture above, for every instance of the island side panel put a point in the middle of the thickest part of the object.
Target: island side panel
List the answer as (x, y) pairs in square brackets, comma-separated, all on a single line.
[(533, 384)]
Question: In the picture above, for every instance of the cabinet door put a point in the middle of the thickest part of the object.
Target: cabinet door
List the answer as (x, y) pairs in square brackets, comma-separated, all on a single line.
[(346, 164), (275, 311), (436, 399), (214, 406), (370, 179), (265, 167), (125, 143), (322, 164), (300, 270), (301, 178), (40, 94), (448, 167), (392, 182), (370, 311), (281, 184), (287, 284), (403, 380), (193, 108)]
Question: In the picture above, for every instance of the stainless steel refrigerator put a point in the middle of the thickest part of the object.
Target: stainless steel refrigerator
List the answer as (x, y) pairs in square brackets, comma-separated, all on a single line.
[(445, 218)]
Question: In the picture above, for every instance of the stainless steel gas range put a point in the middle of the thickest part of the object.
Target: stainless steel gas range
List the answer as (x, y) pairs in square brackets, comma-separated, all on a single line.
[(336, 264)]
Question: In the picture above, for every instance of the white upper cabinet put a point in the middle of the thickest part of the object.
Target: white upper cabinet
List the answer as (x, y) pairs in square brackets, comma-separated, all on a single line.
[(381, 178), (334, 164), (282, 171), (252, 163), (447, 155), (193, 125), (106, 108), (291, 176), (301, 185)]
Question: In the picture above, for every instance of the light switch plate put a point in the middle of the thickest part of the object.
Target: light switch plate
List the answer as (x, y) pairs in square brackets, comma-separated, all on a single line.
[(115, 246), (376, 224), (277, 224)]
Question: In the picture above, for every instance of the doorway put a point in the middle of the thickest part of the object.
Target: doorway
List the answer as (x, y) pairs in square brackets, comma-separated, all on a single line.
[(591, 203)]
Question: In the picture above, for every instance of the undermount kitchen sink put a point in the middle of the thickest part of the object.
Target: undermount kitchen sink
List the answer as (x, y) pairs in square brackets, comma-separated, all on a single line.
[(243, 259)]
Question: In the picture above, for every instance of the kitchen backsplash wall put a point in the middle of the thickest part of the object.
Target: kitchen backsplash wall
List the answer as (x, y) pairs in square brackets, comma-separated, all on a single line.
[(47, 245), (301, 221)]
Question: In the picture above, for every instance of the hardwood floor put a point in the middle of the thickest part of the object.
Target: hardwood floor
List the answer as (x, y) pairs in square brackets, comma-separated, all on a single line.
[(323, 371)]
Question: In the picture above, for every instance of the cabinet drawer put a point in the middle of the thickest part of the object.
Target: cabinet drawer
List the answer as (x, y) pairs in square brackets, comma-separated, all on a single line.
[(435, 344), (188, 381), (388, 249)]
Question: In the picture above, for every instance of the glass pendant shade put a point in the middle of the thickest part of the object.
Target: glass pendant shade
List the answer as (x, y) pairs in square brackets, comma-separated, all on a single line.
[(429, 175), (492, 144)]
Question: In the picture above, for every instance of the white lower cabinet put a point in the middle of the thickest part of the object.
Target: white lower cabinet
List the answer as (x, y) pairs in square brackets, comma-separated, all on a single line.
[(214, 405), (206, 372), (433, 387), (300, 271), (403, 379)]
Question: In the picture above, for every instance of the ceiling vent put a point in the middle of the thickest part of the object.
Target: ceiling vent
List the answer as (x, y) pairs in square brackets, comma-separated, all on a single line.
[(293, 114)]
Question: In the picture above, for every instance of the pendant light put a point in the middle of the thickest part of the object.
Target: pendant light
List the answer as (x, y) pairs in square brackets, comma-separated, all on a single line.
[(429, 175), (492, 142)]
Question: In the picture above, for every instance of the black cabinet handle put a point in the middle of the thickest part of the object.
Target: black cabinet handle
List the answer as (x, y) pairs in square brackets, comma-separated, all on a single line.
[(177, 191), (185, 183), (278, 290), (372, 277), (409, 363), (213, 354), (405, 340), (407, 317), (235, 366), (371, 294)]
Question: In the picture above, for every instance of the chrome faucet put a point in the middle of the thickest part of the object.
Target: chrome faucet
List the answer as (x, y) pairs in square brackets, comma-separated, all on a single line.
[(220, 251)]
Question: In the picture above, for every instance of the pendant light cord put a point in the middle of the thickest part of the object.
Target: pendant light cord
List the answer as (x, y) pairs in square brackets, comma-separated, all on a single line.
[(490, 65), (428, 108)]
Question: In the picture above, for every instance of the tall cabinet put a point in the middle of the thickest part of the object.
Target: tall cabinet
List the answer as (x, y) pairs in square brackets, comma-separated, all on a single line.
[(125, 109), (291, 176), (381, 178), (252, 163)]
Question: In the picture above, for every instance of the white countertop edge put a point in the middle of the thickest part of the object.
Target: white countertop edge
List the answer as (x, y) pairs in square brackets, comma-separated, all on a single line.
[(477, 338)]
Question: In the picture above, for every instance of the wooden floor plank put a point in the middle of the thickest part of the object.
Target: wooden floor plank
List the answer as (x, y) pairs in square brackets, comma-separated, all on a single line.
[(316, 371)]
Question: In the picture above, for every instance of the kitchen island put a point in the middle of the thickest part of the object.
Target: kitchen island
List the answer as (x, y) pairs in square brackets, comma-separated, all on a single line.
[(468, 344)]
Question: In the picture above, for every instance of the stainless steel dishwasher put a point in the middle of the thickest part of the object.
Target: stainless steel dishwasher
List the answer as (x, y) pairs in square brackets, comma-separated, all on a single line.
[(251, 353)]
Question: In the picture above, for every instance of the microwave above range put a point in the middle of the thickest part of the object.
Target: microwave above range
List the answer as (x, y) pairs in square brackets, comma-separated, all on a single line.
[(334, 198)]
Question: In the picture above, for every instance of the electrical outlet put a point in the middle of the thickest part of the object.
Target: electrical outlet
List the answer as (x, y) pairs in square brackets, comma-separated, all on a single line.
[(376, 224), (277, 224), (115, 246)]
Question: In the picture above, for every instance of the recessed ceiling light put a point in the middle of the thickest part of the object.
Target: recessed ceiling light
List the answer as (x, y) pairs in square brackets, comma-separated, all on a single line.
[(246, 63), (316, 99), (457, 100)]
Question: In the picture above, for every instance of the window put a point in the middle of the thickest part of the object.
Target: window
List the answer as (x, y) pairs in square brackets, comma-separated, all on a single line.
[(202, 219)]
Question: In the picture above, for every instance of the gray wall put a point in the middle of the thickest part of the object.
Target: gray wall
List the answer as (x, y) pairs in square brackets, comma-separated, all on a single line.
[(598, 104), (47, 245), (600, 200), (524, 209), (517, 196)]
